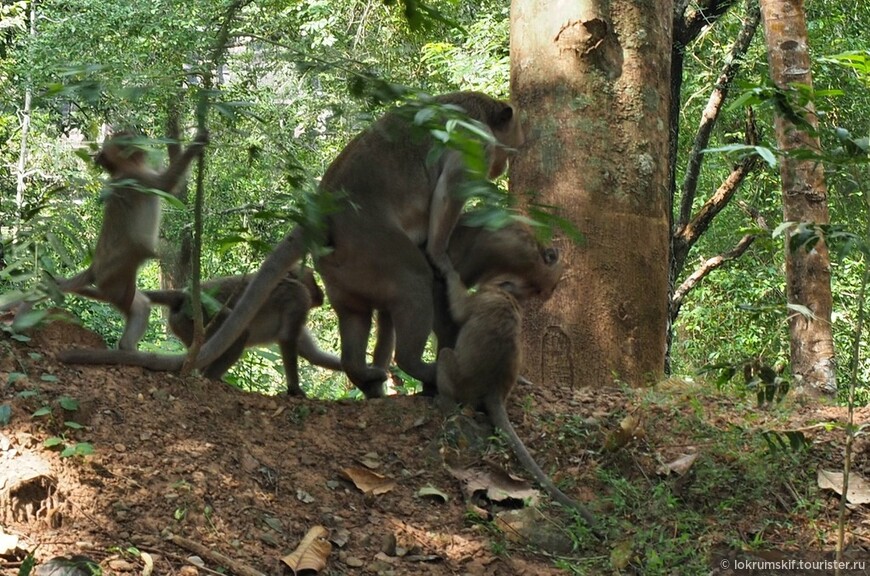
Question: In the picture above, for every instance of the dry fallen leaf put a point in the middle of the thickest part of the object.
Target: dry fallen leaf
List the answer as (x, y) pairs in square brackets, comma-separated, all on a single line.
[(495, 484), (530, 525), (148, 561), (371, 460), (312, 553), (432, 493), (679, 466), (369, 482), (629, 428), (859, 489)]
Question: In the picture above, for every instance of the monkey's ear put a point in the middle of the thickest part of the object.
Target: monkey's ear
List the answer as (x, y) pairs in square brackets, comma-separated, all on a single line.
[(504, 116), (101, 159)]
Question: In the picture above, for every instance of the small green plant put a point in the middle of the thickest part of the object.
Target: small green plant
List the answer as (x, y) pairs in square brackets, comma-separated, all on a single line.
[(28, 564), (67, 447), (767, 383), (5, 414)]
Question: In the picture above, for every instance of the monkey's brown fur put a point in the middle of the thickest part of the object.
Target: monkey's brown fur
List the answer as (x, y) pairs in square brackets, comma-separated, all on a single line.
[(394, 198), (131, 223), (484, 365), (478, 254), (281, 320)]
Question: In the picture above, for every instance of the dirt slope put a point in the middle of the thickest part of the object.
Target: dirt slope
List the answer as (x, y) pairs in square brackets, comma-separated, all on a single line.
[(184, 467), (243, 474)]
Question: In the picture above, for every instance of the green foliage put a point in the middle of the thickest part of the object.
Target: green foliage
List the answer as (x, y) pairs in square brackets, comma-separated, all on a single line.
[(5, 414), (303, 77), (29, 563), (739, 311)]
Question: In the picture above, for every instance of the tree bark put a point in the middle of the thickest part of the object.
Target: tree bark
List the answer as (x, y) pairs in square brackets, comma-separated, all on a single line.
[(175, 262), (808, 274), (592, 82)]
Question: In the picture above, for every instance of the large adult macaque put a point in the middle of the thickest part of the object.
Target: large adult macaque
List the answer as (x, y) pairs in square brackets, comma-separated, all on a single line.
[(393, 198), (281, 320), (131, 224), (484, 365)]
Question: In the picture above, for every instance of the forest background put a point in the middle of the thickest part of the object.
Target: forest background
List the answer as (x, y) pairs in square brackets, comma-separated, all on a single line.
[(301, 78)]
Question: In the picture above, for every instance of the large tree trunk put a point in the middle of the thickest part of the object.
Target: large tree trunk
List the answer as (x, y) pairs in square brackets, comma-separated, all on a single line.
[(592, 81), (804, 199)]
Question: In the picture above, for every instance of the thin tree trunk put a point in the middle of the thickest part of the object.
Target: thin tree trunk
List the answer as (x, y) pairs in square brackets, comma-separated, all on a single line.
[(175, 263), (808, 274), (592, 82), (21, 169)]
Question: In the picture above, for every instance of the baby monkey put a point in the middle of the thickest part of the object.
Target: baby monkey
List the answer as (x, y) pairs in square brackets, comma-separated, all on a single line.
[(281, 320), (483, 367)]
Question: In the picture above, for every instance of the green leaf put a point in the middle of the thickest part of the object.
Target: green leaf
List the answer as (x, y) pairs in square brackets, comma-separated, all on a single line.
[(68, 403), (84, 448), (52, 442), (782, 228), (28, 320), (15, 377), (26, 568), (5, 414), (44, 411), (767, 155), (73, 424), (48, 378)]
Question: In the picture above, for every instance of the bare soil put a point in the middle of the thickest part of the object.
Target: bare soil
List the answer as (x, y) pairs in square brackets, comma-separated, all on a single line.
[(183, 461)]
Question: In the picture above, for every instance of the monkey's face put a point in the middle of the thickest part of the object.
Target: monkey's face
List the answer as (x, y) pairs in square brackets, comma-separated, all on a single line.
[(119, 153), (514, 251)]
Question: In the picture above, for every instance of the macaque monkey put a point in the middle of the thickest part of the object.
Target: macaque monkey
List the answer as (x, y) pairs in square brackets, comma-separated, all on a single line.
[(281, 320), (478, 254), (131, 224), (484, 365), (393, 196)]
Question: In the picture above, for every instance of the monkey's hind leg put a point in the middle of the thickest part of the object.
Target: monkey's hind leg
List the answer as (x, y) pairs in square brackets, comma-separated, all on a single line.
[(290, 356), (137, 322), (354, 330), (447, 375)]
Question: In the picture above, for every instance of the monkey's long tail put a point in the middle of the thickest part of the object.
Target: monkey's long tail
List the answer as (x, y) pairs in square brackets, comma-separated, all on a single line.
[(287, 253), (149, 360), (495, 407), (172, 298), (309, 350)]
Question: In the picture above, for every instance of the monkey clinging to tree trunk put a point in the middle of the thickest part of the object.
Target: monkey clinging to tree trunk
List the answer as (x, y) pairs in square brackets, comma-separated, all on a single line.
[(131, 224)]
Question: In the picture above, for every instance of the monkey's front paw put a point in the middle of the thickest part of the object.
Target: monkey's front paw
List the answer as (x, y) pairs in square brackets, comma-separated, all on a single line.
[(202, 137)]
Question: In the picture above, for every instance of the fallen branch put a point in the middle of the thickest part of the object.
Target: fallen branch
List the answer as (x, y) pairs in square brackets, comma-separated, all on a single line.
[(234, 566)]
